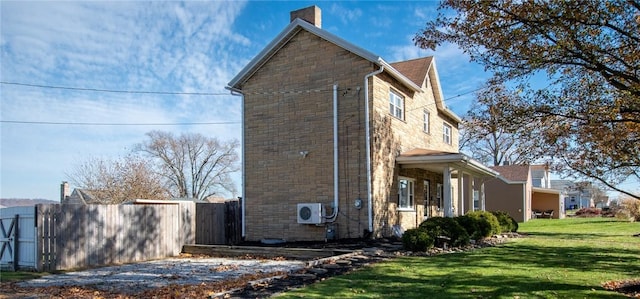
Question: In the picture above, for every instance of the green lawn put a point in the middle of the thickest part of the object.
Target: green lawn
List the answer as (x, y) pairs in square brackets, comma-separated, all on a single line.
[(568, 258)]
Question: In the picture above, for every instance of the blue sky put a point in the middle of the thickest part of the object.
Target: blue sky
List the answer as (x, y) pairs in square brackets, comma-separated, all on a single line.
[(184, 47)]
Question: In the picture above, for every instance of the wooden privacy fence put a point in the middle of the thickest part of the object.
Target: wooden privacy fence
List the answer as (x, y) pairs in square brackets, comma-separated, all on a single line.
[(79, 236), (51, 237), (218, 223)]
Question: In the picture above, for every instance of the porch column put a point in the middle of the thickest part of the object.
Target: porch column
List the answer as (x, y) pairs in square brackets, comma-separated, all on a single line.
[(446, 192), (461, 187)]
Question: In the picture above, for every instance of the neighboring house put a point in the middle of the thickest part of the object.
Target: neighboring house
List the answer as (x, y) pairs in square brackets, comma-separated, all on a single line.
[(338, 143), (77, 196), (578, 194), (523, 191)]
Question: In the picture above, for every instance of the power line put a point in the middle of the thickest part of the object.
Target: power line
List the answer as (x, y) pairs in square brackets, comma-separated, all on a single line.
[(118, 91), (116, 124), (447, 99)]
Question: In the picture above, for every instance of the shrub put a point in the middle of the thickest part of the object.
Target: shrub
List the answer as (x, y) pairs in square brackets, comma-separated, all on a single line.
[(507, 223), (448, 227), (588, 212), (470, 224), (417, 239), (629, 209), (479, 224)]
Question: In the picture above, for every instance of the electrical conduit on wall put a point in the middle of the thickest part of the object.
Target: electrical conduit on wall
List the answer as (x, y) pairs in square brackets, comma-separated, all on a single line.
[(368, 142), (334, 215)]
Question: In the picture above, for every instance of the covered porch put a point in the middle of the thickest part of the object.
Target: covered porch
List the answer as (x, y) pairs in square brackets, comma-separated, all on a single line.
[(463, 178), (547, 203)]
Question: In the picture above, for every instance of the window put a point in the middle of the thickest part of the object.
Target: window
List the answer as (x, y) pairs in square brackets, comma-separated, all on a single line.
[(405, 193), (439, 189), (396, 105), (425, 121), (446, 133), (427, 194), (476, 200)]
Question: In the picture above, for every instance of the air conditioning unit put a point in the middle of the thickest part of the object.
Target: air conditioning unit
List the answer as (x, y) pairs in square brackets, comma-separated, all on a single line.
[(310, 213)]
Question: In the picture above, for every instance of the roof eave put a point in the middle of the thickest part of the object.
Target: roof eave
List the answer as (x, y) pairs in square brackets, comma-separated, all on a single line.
[(462, 159), (440, 104), (289, 31), (545, 190)]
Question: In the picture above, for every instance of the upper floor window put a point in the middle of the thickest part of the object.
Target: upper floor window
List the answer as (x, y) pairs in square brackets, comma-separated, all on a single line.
[(446, 133), (425, 121), (396, 105), (405, 193)]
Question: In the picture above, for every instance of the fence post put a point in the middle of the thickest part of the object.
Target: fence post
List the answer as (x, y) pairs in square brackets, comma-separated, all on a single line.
[(16, 235)]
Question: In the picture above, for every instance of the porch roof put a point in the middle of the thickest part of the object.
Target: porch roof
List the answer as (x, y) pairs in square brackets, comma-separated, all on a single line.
[(436, 160), (545, 190)]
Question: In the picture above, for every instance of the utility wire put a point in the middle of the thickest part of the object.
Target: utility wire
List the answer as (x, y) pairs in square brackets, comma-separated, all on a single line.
[(118, 91), (447, 99), (116, 124)]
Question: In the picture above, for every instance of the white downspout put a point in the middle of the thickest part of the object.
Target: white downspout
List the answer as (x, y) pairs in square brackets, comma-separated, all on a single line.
[(368, 142), (336, 181), (237, 92)]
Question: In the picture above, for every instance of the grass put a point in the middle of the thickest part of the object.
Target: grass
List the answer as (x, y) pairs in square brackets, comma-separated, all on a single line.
[(9, 276), (568, 258)]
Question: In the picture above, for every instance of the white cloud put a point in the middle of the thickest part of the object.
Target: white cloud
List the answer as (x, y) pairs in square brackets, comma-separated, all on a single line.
[(152, 46), (345, 14)]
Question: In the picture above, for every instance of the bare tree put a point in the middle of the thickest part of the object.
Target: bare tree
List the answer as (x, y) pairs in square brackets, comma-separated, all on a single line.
[(193, 165), (485, 134), (119, 180)]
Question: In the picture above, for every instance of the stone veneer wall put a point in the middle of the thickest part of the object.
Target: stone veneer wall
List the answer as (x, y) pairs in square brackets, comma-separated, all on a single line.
[(392, 136)]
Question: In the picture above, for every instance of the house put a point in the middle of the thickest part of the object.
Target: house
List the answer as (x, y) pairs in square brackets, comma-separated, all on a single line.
[(77, 196), (578, 194), (524, 192), (338, 143)]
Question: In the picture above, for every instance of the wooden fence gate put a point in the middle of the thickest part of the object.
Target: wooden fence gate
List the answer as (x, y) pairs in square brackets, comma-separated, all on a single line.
[(218, 223), (17, 238)]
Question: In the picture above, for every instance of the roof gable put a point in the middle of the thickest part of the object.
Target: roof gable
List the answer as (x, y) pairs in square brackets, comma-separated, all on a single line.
[(411, 73), (514, 173), (420, 69), (290, 31), (416, 69)]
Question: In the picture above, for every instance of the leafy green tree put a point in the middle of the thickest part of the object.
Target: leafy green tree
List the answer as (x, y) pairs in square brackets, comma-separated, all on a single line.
[(588, 118)]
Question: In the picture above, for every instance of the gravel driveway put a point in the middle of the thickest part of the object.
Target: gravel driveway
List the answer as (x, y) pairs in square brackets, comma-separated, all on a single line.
[(139, 277)]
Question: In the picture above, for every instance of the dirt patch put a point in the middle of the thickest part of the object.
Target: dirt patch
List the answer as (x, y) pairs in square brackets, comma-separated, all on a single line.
[(629, 287)]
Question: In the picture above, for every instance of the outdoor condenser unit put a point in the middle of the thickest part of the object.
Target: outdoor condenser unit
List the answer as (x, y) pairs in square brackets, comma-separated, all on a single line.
[(310, 213)]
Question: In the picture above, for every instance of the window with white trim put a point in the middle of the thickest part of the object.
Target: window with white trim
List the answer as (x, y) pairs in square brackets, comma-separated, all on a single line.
[(425, 121), (476, 200), (439, 201), (446, 133), (405, 193), (396, 105)]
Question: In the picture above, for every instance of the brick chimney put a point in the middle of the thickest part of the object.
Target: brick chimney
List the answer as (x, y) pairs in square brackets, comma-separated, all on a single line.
[(311, 14), (65, 191)]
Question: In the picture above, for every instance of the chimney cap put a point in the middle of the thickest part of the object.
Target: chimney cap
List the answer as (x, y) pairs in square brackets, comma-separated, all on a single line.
[(311, 14)]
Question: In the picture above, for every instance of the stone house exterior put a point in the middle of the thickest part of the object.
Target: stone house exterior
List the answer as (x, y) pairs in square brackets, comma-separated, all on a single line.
[(334, 134)]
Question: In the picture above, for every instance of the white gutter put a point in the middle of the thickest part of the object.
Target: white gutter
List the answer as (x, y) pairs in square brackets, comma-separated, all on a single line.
[(336, 181), (237, 92), (368, 141)]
